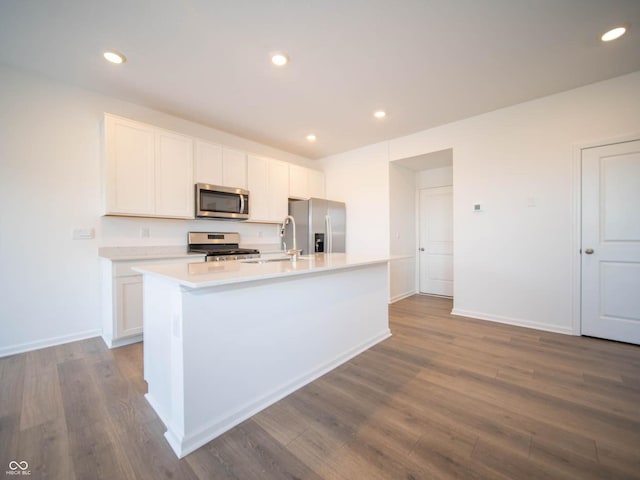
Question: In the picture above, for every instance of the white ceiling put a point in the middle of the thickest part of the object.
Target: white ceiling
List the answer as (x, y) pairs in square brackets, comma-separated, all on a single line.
[(426, 62)]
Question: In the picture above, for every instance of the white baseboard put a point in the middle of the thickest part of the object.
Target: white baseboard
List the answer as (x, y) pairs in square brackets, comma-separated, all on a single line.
[(48, 342), (182, 445), (518, 322), (397, 298), (121, 342)]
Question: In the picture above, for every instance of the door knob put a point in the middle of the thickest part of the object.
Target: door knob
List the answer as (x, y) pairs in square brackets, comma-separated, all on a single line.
[(421, 249), (589, 251)]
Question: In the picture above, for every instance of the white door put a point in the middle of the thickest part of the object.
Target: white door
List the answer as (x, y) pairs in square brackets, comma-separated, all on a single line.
[(436, 241), (611, 242)]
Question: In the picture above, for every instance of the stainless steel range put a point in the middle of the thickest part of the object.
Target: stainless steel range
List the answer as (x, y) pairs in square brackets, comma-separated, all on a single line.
[(219, 246)]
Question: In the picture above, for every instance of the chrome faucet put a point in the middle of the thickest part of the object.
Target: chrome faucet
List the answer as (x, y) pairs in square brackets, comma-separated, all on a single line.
[(292, 252)]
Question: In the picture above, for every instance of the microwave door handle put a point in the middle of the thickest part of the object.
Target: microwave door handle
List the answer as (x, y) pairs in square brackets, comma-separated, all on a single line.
[(241, 203)]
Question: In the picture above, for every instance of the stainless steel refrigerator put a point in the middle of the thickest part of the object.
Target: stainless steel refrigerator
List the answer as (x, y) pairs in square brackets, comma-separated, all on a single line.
[(320, 226)]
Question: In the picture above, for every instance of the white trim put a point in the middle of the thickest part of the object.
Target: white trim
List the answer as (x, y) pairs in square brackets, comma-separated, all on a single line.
[(401, 296), (121, 342), (518, 322), (576, 221), (576, 240), (435, 295), (184, 445), (48, 342)]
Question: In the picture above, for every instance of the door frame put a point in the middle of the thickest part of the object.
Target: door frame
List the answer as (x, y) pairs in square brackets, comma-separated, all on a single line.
[(576, 220)]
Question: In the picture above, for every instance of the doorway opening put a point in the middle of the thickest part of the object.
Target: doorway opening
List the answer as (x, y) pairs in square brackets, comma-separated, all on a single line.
[(421, 208)]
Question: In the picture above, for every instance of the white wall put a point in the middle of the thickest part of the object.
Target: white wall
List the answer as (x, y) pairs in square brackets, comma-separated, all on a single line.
[(402, 229), (512, 262), (515, 262), (49, 184), (361, 179), (435, 177)]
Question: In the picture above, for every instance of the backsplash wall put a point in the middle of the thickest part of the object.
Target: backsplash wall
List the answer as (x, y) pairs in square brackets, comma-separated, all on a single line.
[(129, 231)]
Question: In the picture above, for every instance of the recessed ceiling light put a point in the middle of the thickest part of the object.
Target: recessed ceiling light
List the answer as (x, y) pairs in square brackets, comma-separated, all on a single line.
[(380, 114), (279, 59), (311, 137), (613, 34), (114, 57)]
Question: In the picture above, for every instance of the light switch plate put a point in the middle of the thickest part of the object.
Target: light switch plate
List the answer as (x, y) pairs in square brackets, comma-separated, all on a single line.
[(83, 233)]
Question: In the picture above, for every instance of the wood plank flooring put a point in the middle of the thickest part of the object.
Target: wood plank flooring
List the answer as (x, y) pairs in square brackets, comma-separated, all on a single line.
[(446, 397)]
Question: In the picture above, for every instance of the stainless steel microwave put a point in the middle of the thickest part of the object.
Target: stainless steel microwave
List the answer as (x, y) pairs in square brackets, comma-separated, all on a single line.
[(213, 201)]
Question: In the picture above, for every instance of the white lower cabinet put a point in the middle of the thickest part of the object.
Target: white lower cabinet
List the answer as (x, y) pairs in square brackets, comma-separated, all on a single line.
[(128, 292), (122, 309)]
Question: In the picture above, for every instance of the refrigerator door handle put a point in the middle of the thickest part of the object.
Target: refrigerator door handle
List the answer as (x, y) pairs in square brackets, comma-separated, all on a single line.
[(329, 234)]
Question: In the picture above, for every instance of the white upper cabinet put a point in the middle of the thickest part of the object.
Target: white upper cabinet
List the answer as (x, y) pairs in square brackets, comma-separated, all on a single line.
[(268, 184), (218, 165), (305, 183), (148, 171), (258, 183), (298, 182), (234, 168), (279, 186), (151, 172), (315, 184), (129, 167), (208, 163), (174, 175)]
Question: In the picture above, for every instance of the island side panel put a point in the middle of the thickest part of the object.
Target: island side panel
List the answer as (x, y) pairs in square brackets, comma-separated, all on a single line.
[(248, 345), (162, 352)]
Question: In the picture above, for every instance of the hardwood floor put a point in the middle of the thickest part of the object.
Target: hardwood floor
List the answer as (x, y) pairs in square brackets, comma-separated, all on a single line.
[(445, 397)]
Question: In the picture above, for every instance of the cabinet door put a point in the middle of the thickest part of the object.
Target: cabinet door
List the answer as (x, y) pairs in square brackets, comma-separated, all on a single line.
[(278, 190), (258, 186), (174, 175), (208, 163), (316, 184), (298, 182), (128, 291), (234, 168), (129, 175)]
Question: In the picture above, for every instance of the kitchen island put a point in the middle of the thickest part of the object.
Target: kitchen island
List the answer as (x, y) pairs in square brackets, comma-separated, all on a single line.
[(224, 340)]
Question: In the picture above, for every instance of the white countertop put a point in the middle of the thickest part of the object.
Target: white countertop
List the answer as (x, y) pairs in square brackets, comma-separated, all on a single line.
[(210, 274), (166, 252)]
